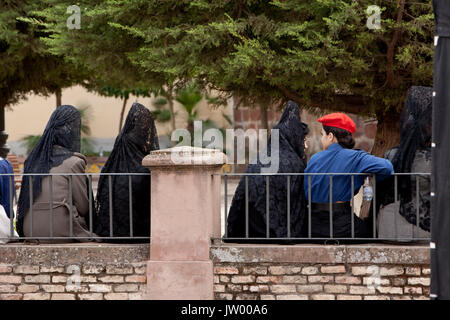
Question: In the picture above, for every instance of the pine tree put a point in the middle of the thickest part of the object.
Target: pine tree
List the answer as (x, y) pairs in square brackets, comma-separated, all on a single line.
[(319, 53), (26, 65)]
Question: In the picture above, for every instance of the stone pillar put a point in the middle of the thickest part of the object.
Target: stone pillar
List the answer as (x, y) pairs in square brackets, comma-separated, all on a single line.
[(185, 214)]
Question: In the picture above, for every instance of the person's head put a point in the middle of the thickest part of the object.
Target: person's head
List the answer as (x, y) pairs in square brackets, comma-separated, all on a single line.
[(416, 117), (415, 128), (62, 131), (332, 135), (337, 128), (140, 129), (292, 128), (66, 123)]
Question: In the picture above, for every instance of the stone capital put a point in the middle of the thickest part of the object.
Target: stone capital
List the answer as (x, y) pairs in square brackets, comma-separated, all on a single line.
[(184, 157)]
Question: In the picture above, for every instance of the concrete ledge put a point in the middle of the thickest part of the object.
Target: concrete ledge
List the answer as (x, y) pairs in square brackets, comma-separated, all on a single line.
[(373, 254), (184, 156), (62, 254)]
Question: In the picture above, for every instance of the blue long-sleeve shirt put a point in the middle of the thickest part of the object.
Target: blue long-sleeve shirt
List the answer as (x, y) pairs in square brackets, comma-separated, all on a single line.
[(337, 159), (5, 167)]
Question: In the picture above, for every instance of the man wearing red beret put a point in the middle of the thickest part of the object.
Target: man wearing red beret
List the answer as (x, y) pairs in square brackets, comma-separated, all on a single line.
[(340, 157)]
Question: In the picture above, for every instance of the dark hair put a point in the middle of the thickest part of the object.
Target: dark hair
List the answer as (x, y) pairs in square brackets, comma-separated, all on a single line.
[(344, 137)]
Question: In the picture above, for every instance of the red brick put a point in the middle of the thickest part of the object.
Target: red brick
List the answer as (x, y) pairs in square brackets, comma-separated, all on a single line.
[(5, 269), (7, 288), (292, 297), (332, 269), (311, 288), (348, 297), (269, 279), (243, 279), (347, 280), (283, 288), (234, 288), (320, 279), (226, 270), (10, 279), (413, 290), (323, 297), (15, 296), (36, 296), (330, 288)]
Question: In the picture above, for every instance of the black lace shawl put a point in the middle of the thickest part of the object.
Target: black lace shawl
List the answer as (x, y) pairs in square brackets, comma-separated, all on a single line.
[(61, 138), (292, 133), (415, 136), (137, 138), (415, 128)]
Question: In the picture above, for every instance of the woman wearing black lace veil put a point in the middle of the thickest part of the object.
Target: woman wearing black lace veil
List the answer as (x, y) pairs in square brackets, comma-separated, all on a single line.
[(56, 152), (412, 155), (292, 133), (137, 138)]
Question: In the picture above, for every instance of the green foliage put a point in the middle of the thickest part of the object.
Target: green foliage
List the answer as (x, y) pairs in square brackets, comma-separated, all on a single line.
[(87, 145), (161, 114), (318, 53), (85, 112), (117, 92), (26, 63), (30, 141), (189, 97)]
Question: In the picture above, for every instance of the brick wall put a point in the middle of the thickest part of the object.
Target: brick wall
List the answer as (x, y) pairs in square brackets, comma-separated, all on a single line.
[(245, 118), (321, 272), (245, 272), (73, 272)]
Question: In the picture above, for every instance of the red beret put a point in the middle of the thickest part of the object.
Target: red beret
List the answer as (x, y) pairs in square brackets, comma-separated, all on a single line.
[(338, 120)]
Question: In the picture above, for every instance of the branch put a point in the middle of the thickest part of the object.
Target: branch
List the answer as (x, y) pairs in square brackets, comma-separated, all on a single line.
[(240, 8), (391, 48), (345, 103)]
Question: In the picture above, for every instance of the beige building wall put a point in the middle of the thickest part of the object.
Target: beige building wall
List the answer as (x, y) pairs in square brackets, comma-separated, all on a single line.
[(30, 116)]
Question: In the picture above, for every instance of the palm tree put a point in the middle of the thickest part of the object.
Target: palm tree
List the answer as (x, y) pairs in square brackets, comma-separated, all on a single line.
[(189, 98), (87, 145)]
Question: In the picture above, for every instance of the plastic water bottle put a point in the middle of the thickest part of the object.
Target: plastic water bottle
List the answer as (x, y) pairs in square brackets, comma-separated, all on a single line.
[(367, 192)]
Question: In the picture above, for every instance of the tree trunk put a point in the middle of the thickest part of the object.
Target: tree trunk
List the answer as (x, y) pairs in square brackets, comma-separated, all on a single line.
[(387, 135), (264, 120), (122, 113), (172, 112), (4, 148), (58, 94)]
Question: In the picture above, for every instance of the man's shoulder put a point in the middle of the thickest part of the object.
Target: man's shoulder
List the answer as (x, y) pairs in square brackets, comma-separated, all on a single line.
[(318, 155), (353, 152), (5, 165)]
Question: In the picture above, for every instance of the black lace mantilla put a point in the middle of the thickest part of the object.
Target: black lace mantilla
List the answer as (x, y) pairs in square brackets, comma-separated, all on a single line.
[(412, 155), (292, 133), (61, 138), (137, 138)]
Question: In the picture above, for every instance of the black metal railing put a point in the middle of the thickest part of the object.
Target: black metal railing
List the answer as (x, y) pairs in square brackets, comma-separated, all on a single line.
[(309, 236), (92, 181)]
